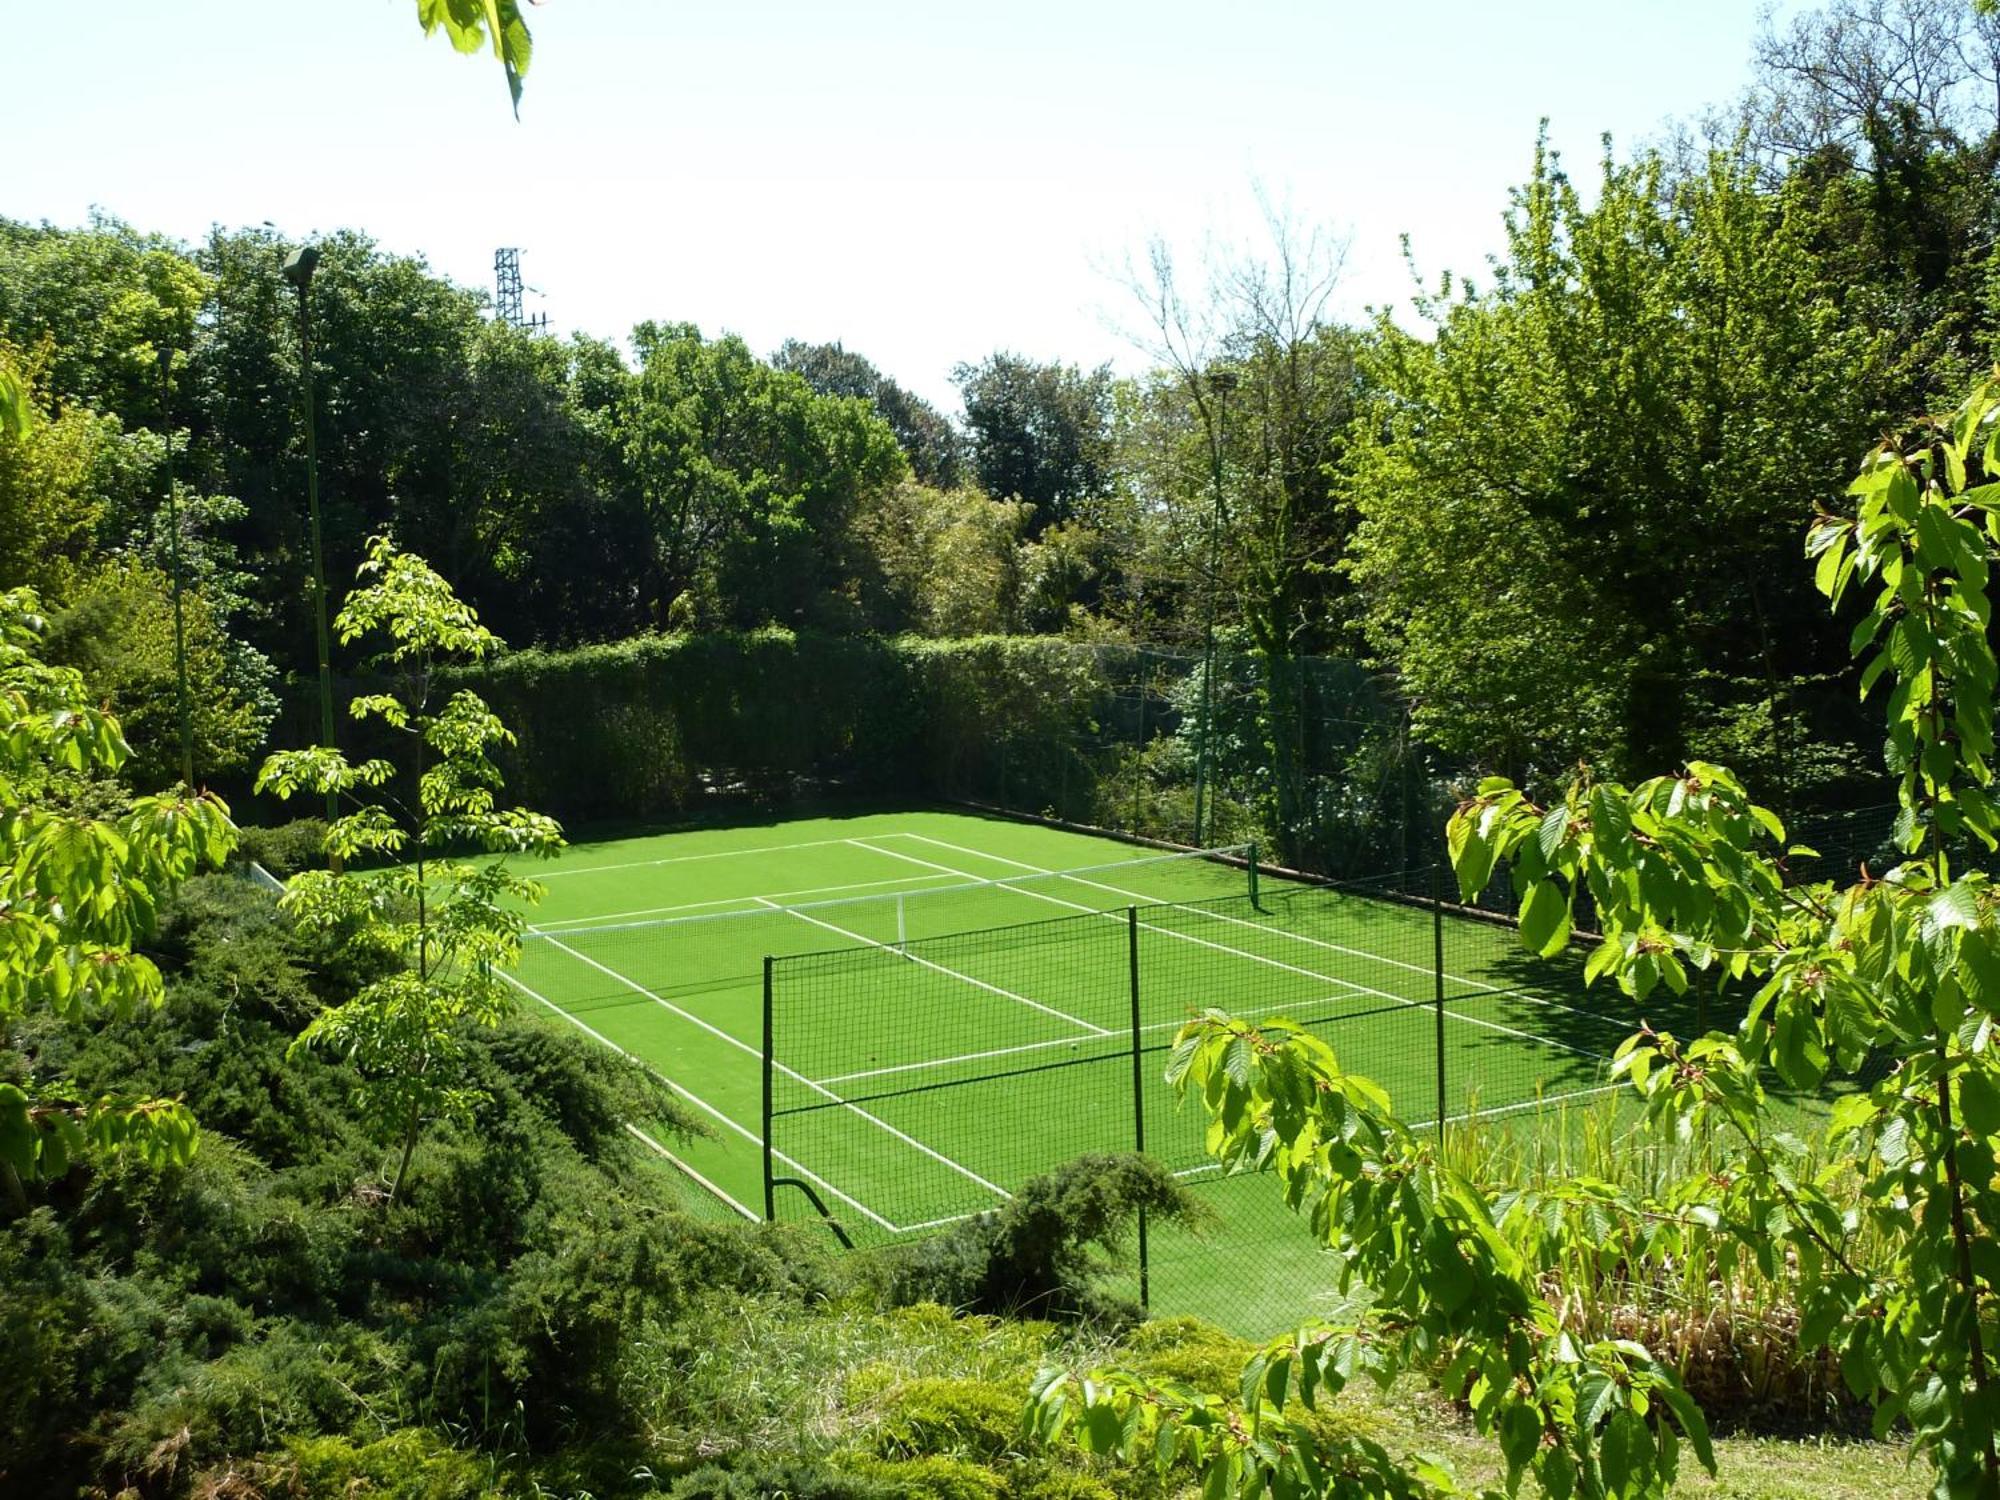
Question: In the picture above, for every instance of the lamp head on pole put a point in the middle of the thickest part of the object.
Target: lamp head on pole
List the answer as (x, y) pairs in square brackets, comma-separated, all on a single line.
[(300, 265), (1222, 382)]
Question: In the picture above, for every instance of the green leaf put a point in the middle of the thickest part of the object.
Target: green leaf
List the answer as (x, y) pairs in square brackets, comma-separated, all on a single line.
[(1544, 918)]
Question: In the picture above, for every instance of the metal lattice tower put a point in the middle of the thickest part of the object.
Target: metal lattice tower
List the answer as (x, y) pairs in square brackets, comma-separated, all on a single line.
[(507, 287)]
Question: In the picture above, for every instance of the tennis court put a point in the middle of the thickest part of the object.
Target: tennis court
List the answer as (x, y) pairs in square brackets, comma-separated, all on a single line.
[(961, 1001)]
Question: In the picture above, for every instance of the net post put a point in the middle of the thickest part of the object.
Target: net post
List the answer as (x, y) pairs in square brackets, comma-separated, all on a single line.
[(1138, 1095), (770, 1187), (1437, 990), (1256, 902), (902, 931)]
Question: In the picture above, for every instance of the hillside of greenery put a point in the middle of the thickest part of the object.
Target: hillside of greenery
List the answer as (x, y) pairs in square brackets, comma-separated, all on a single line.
[(295, 1203)]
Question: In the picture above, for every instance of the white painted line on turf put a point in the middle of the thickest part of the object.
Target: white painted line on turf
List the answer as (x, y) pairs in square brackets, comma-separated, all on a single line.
[(695, 1099), (585, 924), (792, 1073), (1297, 937), (1244, 953), (1067, 1041), (681, 859), (994, 989), (689, 1171)]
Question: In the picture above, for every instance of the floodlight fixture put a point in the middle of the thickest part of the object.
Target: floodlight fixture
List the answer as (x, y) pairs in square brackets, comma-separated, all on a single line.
[(300, 265)]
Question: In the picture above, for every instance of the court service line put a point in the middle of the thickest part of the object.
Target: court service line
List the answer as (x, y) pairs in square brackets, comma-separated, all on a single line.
[(584, 924), (909, 1140), (700, 1103), (1244, 953), (681, 859), (994, 989)]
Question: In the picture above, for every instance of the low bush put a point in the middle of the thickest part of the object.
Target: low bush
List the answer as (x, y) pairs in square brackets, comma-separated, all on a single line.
[(975, 1419), (1044, 1254), (284, 849)]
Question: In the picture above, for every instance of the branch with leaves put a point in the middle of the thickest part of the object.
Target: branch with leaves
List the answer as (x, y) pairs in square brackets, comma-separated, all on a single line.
[(79, 891)]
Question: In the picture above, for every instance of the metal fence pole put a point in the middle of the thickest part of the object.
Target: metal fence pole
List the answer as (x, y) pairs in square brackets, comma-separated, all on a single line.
[(1138, 1096), (770, 1187), (1437, 974)]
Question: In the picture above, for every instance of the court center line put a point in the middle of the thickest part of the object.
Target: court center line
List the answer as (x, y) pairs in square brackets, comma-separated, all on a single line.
[(995, 989), (695, 1099), (584, 924), (1243, 953), (908, 1140)]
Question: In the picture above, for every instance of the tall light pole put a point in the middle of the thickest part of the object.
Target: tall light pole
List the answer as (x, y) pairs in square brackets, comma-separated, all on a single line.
[(174, 552), (1220, 383), (298, 270)]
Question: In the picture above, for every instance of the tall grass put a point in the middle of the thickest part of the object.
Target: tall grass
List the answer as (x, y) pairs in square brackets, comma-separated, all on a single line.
[(1692, 1295)]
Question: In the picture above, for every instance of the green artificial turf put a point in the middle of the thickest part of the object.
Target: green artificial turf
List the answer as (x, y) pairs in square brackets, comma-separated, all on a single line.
[(934, 1051)]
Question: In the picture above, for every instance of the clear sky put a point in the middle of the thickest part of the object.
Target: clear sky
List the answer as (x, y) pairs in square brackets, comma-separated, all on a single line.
[(924, 182)]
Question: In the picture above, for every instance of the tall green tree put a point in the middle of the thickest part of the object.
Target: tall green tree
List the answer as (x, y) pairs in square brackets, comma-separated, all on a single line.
[(929, 441), (1039, 433), (748, 480), (1630, 406), (443, 926)]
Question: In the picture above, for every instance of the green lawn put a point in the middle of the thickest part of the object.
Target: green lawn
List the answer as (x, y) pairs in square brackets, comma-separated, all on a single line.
[(937, 1041)]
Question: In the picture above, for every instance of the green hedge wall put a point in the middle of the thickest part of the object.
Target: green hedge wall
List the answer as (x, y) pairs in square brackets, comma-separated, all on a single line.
[(654, 728)]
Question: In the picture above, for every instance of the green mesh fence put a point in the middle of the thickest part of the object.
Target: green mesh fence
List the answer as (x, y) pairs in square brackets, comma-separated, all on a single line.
[(911, 1086)]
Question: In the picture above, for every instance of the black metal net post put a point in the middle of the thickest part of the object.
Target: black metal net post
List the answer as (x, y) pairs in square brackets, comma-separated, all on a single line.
[(1138, 1097)]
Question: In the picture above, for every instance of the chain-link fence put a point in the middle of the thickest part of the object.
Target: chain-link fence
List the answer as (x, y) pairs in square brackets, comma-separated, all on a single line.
[(909, 1087)]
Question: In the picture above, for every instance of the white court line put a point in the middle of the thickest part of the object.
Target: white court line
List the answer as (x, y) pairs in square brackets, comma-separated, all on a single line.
[(993, 1052), (681, 859), (995, 989), (696, 1100), (691, 1172), (1188, 937), (584, 924), (791, 1073), (1297, 937)]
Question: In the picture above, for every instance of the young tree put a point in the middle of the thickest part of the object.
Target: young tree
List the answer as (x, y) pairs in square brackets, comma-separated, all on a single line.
[(444, 926), (84, 867)]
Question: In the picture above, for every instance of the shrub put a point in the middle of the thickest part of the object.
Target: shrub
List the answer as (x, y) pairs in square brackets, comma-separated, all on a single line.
[(1033, 1256), (976, 1419), (286, 849), (409, 1464), (931, 1478), (757, 1477)]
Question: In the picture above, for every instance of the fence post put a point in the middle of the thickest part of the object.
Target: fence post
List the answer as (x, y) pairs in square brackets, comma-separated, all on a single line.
[(1138, 1096), (770, 1188), (1437, 993)]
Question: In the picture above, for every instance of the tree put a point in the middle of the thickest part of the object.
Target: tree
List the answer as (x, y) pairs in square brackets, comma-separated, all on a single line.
[(1238, 436), (1655, 368), (444, 926), (748, 480), (84, 868), (927, 437), (1039, 433), (117, 629)]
